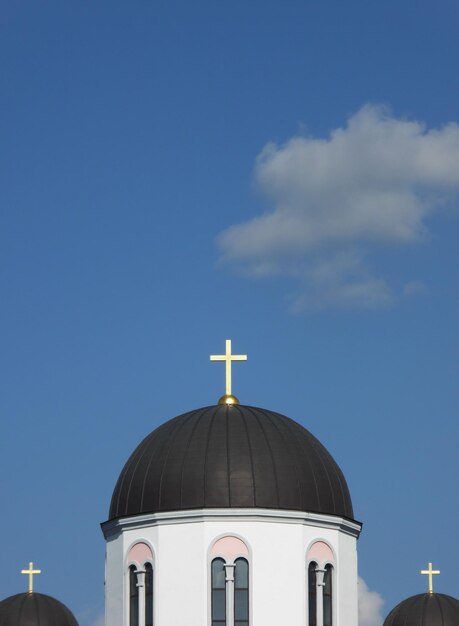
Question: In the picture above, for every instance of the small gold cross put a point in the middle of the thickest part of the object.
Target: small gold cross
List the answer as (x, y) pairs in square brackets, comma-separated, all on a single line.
[(31, 571), (228, 358), (430, 573)]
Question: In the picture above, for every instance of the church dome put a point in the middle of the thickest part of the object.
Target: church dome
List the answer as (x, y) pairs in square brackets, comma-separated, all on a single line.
[(34, 609), (230, 456), (425, 609)]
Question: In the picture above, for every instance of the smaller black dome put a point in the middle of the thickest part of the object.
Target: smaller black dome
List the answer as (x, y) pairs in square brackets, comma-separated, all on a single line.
[(425, 609), (34, 609)]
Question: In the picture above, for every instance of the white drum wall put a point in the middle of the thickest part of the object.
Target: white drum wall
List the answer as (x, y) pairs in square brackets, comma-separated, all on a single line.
[(278, 542)]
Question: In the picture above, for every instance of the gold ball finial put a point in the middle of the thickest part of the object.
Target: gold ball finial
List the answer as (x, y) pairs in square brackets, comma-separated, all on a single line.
[(228, 399)]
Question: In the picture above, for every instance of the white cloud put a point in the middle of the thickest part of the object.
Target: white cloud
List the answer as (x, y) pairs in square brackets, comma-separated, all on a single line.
[(339, 279), (370, 605), (370, 184)]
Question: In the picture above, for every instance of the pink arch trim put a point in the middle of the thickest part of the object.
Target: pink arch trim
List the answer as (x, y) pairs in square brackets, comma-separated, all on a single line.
[(229, 547), (140, 553), (320, 552)]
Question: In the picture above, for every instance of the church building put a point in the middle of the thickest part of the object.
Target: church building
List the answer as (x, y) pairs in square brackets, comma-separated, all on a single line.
[(230, 515)]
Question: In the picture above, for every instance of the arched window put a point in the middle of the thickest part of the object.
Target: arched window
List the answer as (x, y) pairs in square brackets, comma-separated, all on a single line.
[(328, 597), (133, 597), (140, 584), (241, 593), (218, 593), (230, 582), (320, 583), (312, 593), (148, 594)]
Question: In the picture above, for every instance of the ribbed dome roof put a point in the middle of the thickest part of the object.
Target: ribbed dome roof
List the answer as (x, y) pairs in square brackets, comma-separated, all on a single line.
[(425, 609), (230, 456), (34, 609)]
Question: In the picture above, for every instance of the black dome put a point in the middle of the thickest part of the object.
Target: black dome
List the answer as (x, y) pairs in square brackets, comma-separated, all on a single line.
[(34, 609), (230, 456), (425, 609)]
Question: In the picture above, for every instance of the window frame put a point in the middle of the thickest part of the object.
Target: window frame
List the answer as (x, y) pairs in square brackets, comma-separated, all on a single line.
[(139, 566), (322, 561), (246, 589), (153, 595), (228, 561), (310, 569), (330, 567), (132, 572), (213, 589)]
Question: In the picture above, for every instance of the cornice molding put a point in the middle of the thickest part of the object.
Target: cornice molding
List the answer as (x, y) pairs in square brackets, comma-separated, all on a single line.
[(115, 527)]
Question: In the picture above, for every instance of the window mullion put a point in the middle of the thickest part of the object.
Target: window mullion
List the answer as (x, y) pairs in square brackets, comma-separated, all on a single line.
[(141, 586), (229, 581), (320, 596)]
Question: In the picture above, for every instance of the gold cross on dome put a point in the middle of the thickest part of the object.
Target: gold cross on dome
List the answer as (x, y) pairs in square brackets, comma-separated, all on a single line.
[(228, 358), (31, 571), (430, 573)]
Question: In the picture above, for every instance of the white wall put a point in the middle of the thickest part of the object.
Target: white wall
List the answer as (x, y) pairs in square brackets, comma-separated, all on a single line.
[(277, 541)]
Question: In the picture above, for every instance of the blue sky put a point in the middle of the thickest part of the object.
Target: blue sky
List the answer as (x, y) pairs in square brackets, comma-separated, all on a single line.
[(174, 174)]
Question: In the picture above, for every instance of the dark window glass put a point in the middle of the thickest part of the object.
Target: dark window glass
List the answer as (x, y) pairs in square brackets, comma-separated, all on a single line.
[(218, 599), (133, 597), (328, 596), (148, 594), (241, 604), (241, 574), (219, 605), (312, 579), (241, 592), (218, 574)]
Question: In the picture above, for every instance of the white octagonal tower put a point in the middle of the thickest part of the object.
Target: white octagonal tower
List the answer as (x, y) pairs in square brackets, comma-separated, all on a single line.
[(231, 515)]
